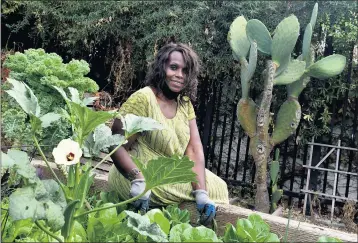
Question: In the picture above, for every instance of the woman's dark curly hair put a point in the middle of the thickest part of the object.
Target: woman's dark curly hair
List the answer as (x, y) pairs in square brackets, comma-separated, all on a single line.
[(156, 74)]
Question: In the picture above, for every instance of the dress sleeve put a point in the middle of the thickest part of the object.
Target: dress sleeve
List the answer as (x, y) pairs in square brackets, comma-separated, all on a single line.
[(136, 104), (191, 112)]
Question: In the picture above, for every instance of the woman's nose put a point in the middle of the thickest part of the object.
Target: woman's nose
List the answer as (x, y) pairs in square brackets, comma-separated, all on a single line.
[(179, 73)]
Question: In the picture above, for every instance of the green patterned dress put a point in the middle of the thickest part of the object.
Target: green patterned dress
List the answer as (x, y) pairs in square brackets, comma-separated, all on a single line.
[(172, 140)]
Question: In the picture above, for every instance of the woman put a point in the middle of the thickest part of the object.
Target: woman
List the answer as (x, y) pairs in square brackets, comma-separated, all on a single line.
[(171, 85)]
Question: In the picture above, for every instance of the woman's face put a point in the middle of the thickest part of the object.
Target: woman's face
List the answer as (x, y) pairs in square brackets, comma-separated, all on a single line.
[(176, 72)]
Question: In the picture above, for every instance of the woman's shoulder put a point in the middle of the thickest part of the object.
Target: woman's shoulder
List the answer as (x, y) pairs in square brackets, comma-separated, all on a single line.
[(143, 91)]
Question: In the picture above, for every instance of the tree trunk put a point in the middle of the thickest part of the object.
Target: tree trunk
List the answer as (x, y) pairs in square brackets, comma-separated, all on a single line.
[(260, 145)]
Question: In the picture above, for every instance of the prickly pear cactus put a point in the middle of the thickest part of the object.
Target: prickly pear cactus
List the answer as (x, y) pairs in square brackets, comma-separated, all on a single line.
[(281, 69), (287, 120), (246, 114)]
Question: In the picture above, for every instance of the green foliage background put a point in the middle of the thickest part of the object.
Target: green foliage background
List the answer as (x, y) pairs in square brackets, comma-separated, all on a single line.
[(119, 39)]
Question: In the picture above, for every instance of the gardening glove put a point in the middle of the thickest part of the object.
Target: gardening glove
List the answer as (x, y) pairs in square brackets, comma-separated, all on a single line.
[(138, 187), (205, 206)]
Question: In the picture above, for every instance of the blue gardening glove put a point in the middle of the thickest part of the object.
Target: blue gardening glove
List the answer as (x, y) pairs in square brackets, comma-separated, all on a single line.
[(138, 187), (205, 206)]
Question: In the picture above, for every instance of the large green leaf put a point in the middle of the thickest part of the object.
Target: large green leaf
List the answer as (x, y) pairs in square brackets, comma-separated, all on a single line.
[(75, 96), (142, 225), (49, 118), (199, 234), (162, 171), (284, 39), (108, 213), (327, 67), (24, 96), (20, 161), (55, 193), (177, 231), (133, 124), (24, 204), (157, 216), (6, 161), (107, 142), (88, 119), (293, 72), (237, 38), (257, 31), (260, 226)]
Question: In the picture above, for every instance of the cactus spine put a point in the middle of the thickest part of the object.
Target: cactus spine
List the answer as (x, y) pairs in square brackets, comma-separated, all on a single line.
[(280, 70)]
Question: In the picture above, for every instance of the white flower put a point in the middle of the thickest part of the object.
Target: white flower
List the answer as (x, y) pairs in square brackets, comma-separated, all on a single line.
[(67, 152)]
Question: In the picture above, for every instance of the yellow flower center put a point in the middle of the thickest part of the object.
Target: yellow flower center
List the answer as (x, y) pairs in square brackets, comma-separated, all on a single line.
[(70, 157)]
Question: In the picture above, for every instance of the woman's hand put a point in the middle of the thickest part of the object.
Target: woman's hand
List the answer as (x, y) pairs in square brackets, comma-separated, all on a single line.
[(137, 188), (205, 206)]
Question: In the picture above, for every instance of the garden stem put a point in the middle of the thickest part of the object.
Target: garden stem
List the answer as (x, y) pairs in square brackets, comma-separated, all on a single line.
[(48, 232), (107, 156), (112, 206), (48, 165)]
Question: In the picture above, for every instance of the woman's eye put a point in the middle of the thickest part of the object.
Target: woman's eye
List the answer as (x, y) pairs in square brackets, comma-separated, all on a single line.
[(173, 67)]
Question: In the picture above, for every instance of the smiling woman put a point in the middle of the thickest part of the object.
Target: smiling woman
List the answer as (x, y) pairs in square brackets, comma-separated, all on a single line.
[(171, 86)]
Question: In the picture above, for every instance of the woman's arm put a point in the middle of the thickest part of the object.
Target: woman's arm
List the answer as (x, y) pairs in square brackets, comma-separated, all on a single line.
[(121, 158), (195, 153)]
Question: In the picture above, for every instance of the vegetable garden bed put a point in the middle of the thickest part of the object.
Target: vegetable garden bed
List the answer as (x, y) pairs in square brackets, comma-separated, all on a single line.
[(297, 231)]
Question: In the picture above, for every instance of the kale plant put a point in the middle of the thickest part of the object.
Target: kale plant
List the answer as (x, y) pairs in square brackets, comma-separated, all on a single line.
[(40, 70)]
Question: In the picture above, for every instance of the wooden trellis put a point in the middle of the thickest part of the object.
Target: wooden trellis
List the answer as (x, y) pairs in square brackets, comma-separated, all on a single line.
[(309, 167)]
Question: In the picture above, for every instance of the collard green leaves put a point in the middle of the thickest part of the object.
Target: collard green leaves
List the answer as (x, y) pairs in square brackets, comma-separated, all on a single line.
[(142, 225), (253, 229)]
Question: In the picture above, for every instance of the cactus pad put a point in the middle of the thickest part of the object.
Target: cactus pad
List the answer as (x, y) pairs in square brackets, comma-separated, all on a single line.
[(293, 72), (275, 166), (276, 196), (314, 16), (295, 89), (327, 67), (246, 114), (307, 44), (237, 38), (257, 31), (287, 120), (248, 70), (284, 40)]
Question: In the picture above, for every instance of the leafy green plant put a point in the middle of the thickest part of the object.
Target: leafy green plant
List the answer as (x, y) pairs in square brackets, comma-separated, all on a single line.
[(55, 206), (39, 71), (246, 38), (252, 229), (176, 215)]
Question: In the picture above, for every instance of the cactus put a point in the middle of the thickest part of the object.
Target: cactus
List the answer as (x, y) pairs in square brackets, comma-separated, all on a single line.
[(246, 114), (252, 35), (276, 193), (257, 31), (287, 121), (284, 40)]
